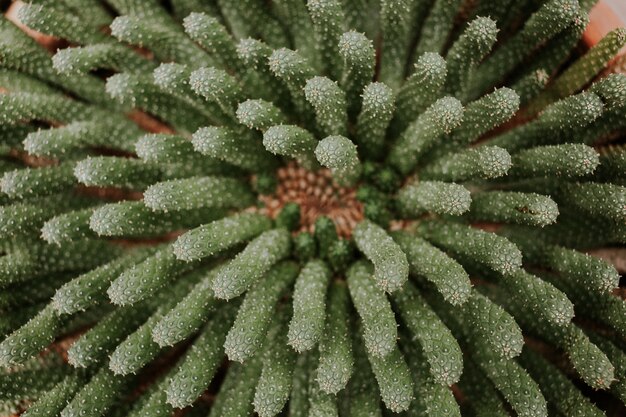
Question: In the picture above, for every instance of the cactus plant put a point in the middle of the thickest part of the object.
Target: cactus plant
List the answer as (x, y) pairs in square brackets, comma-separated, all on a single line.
[(309, 208)]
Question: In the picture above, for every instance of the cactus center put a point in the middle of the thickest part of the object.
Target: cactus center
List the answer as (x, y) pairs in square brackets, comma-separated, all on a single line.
[(318, 195)]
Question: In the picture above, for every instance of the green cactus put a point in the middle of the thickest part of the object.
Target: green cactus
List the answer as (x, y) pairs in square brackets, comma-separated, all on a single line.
[(322, 208)]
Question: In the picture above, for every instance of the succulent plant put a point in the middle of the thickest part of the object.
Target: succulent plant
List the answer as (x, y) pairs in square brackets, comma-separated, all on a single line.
[(322, 208)]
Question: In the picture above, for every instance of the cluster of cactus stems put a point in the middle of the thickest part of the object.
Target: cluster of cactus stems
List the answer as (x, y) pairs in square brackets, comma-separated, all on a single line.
[(139, 273)]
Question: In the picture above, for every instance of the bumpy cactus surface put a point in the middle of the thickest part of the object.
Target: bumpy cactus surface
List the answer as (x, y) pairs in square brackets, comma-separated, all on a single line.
[(310, 208)]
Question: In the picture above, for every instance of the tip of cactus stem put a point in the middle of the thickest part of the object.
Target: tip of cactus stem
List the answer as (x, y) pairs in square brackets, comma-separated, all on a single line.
[(123, 26), (484, 30), (431, 65), (118, 85)]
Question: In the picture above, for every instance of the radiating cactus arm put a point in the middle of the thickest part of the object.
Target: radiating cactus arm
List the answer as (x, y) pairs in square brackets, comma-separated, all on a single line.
[(486, 248), (376, 113), (37, 182), (54, 400), (358, 56), (93, 347), (391, 268), (55, 21), (485, 162), (379, 323), (556, 387), (274, 386), (513, 207), (340, 155), (130, 89), (226, 145), (214, 38), (445, 273), (187, 316), (517, 387), (566, 160), (139, 347), (246, 336), (98, 395), (291, 141), (421, 89), (470, 48), (543, 298), (433, 196), (198, 192), (199, 365), (550, 19), (584, 69), (437, 26), (327, 17), (439, 348), (329, 102), (336, 360), (395, 20), (492, 328), (437, 121), (362, 390), (259, 114), (209, 239), (112, 171), (252, 263), (82, 59), (144, 279), (309, 306), (31, 338), (90, 288), (603, 200), (394, 380), (237, 392), (165, 40)]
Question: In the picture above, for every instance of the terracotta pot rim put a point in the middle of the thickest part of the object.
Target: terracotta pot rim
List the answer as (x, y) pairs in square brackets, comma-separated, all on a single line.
[(605, 16)]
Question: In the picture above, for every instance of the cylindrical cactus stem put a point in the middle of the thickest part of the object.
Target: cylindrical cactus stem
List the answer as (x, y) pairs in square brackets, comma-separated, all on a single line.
[(259, 114), (98, 395), (373, 120), (227, 145), (211, 238), (340, 155), (391, 268), (420, 90), (336, 360), (197, 369), (514, 207), (252, 263), (467, 52), (214, 38), (329, 102), (484, 162), (427, 261), (89, 288), (569, 160), (437, 26), (246, 336), (328, 17), (358, 56), (291, 141), (309, 306), (379, 323), (395, 20), (433, 196), (31, 338), (445, 363), (427, 130), (473, 245), (274, 386), (550, 19)]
